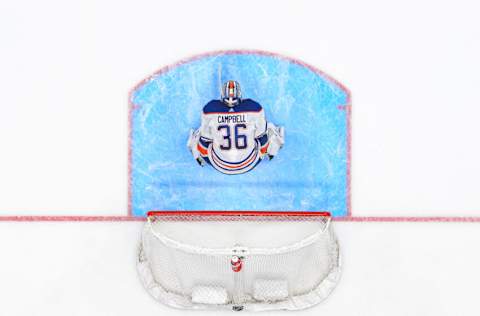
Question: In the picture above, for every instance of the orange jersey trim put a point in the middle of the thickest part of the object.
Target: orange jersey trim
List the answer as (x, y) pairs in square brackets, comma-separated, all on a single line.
[(202, 150)]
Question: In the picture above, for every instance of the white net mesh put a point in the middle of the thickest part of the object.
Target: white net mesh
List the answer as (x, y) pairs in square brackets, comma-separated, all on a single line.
[(255, 261)]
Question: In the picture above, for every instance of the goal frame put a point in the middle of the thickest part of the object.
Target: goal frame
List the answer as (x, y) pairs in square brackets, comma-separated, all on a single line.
[(256, 289), (240, 214)]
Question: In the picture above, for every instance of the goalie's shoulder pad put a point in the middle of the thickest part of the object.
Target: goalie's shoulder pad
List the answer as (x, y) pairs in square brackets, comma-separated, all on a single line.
[(248, 105), (215, 106)]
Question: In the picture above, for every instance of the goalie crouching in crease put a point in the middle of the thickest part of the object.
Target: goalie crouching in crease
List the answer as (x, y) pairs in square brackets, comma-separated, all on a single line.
[(234, 135)]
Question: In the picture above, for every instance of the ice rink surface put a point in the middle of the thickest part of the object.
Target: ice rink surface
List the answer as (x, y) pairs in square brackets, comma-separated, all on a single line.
[(310, 172), (395, 269), (412, 68)]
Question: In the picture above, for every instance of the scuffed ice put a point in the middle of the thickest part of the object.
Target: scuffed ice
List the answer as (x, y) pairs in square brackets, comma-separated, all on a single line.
[(309, 173)]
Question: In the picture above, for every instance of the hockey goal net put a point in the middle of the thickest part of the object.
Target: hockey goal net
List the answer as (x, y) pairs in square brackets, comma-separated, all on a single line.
[(239, 260)]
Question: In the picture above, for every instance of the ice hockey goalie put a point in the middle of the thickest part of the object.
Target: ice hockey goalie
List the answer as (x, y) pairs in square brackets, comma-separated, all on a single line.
[(234, 135)]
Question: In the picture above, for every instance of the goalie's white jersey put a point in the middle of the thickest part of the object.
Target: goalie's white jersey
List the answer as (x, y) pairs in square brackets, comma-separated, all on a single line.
[(233, 138)]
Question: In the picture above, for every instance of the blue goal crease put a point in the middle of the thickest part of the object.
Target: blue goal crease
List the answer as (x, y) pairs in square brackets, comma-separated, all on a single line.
[(309, 173)]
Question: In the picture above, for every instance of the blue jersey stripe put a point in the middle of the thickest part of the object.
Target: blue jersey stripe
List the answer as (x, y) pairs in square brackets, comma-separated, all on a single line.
[(236, 169)]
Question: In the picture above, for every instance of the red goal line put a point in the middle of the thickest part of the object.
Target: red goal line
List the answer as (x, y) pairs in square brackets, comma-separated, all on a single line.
[(26, 218)]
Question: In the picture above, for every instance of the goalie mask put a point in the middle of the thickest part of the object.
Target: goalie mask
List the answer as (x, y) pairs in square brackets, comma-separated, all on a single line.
[(231, 93)]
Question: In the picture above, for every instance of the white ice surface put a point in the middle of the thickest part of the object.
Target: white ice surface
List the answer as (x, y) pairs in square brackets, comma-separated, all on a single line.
[(89, 269), (412, 67)]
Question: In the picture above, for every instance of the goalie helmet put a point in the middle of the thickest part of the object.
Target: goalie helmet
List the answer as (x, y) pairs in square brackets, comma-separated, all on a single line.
[(231, 93)]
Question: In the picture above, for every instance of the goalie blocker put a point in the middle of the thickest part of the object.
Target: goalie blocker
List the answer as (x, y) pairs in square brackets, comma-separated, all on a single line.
[(239, 260)]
